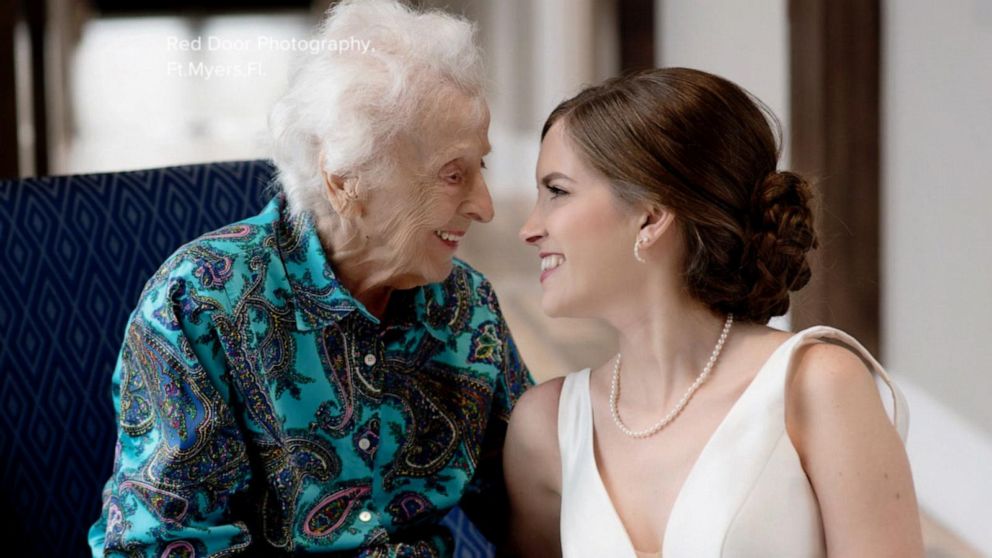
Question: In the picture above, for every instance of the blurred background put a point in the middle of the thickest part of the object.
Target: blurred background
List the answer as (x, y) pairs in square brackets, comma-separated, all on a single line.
[(885, 103)]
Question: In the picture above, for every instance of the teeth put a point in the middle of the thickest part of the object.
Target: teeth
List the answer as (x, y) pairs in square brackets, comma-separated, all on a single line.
[(450, 237), (551, 262)]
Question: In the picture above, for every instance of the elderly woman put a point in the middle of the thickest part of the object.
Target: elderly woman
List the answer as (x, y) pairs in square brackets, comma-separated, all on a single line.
[(324, 377)]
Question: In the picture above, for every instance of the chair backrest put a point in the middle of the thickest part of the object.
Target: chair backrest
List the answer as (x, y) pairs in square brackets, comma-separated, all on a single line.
[(75, 252)]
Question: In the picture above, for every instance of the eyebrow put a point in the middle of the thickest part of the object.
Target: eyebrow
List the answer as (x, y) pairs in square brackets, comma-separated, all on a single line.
[(553, 175), (488, 151)]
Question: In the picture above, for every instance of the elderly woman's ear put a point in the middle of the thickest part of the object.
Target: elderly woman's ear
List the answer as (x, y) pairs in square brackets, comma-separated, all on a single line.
[(342, 192)]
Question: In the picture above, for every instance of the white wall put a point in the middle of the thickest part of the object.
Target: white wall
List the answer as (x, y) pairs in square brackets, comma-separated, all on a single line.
[(937, 247), (937, 195)]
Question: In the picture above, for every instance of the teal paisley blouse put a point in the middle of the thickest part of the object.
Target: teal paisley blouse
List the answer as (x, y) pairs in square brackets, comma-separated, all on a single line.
[(262, 410)]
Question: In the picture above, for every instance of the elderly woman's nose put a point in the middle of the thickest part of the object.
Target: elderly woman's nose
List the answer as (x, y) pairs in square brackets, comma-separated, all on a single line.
[(479, 205)]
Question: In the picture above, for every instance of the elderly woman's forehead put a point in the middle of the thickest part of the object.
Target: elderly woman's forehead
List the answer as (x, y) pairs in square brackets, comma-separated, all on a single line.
[(455, 109), (432, 147), (458, 124)]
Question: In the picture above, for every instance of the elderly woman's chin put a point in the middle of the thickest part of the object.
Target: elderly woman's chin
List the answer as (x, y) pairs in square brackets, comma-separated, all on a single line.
[(424, 270), (439, 271), (438, 258)]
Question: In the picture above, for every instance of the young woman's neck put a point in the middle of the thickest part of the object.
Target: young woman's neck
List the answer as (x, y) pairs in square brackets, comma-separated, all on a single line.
[(665, 341)]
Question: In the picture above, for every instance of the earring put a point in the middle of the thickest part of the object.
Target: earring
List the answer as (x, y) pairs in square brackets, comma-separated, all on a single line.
[(637, 249)]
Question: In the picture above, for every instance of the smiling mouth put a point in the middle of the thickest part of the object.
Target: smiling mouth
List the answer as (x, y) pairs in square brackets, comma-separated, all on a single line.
[(549, 264), (551, 261), (450, 238), (449, 235)]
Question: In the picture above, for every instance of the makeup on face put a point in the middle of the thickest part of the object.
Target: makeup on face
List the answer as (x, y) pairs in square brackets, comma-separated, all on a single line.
[(577, 226)]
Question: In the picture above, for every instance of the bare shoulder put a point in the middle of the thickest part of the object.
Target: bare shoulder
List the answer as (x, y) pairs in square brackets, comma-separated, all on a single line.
[(532, 470), (830, 383), (534, 422), (542, 395), (852, 454), (826, 375)]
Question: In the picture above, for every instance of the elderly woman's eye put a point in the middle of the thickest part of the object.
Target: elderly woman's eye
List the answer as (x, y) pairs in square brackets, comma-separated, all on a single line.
[(451, 173), (482, 164)]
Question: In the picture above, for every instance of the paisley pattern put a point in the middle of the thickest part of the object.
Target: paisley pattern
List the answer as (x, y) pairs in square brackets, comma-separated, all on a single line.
[(335, 511), (262, 409), (408, 507)]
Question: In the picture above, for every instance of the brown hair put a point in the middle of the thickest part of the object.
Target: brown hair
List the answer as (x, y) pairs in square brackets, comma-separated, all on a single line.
[(704, 148)]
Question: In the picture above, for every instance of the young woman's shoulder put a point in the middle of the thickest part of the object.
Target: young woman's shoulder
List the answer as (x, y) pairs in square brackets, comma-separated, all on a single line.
[(543, 395), (533, 430), (852, 454), (531, 450), (830, 387), (831, 379), (532, 469)]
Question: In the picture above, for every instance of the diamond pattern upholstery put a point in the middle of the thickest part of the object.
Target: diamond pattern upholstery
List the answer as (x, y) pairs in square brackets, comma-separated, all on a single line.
[(75, 252)]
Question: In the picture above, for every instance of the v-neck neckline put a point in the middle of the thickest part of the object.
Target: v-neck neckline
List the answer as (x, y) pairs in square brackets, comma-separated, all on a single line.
[(734, 410)]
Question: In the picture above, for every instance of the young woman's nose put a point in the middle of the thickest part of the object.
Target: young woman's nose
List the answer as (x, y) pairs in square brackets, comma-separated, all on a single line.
[(533, 230)]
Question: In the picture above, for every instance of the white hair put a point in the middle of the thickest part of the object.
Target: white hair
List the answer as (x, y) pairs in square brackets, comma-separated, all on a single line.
[(350, 103)]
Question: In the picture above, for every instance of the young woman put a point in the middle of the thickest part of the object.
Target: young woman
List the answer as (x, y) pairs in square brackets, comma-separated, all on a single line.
[(660, 211)]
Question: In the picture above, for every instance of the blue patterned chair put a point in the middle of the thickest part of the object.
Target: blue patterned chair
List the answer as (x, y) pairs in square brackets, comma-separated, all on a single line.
[(75, 252)]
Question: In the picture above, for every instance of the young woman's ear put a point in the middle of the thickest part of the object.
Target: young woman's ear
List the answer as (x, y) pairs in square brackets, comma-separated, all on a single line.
[(656, 221)]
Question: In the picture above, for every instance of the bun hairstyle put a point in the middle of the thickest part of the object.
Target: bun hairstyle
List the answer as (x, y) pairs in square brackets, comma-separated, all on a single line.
[(704, 148)]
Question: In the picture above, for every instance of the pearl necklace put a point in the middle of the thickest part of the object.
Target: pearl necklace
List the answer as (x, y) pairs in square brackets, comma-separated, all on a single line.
[(615, 390)]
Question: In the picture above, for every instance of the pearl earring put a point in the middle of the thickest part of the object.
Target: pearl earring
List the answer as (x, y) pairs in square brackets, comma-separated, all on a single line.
[(637, 249)]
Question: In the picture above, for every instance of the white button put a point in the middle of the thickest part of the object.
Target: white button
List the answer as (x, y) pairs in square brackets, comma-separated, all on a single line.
[(365, 516), (364, 444), (369, 360)]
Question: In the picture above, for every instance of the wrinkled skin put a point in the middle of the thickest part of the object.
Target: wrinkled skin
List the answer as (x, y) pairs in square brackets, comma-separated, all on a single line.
[(429, 180)]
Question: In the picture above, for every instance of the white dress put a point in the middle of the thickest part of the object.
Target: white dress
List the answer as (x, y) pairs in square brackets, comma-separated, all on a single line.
[(747, 494)]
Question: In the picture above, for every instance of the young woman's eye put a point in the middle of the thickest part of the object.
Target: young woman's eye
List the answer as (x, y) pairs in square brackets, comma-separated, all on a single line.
[(555, 192)]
